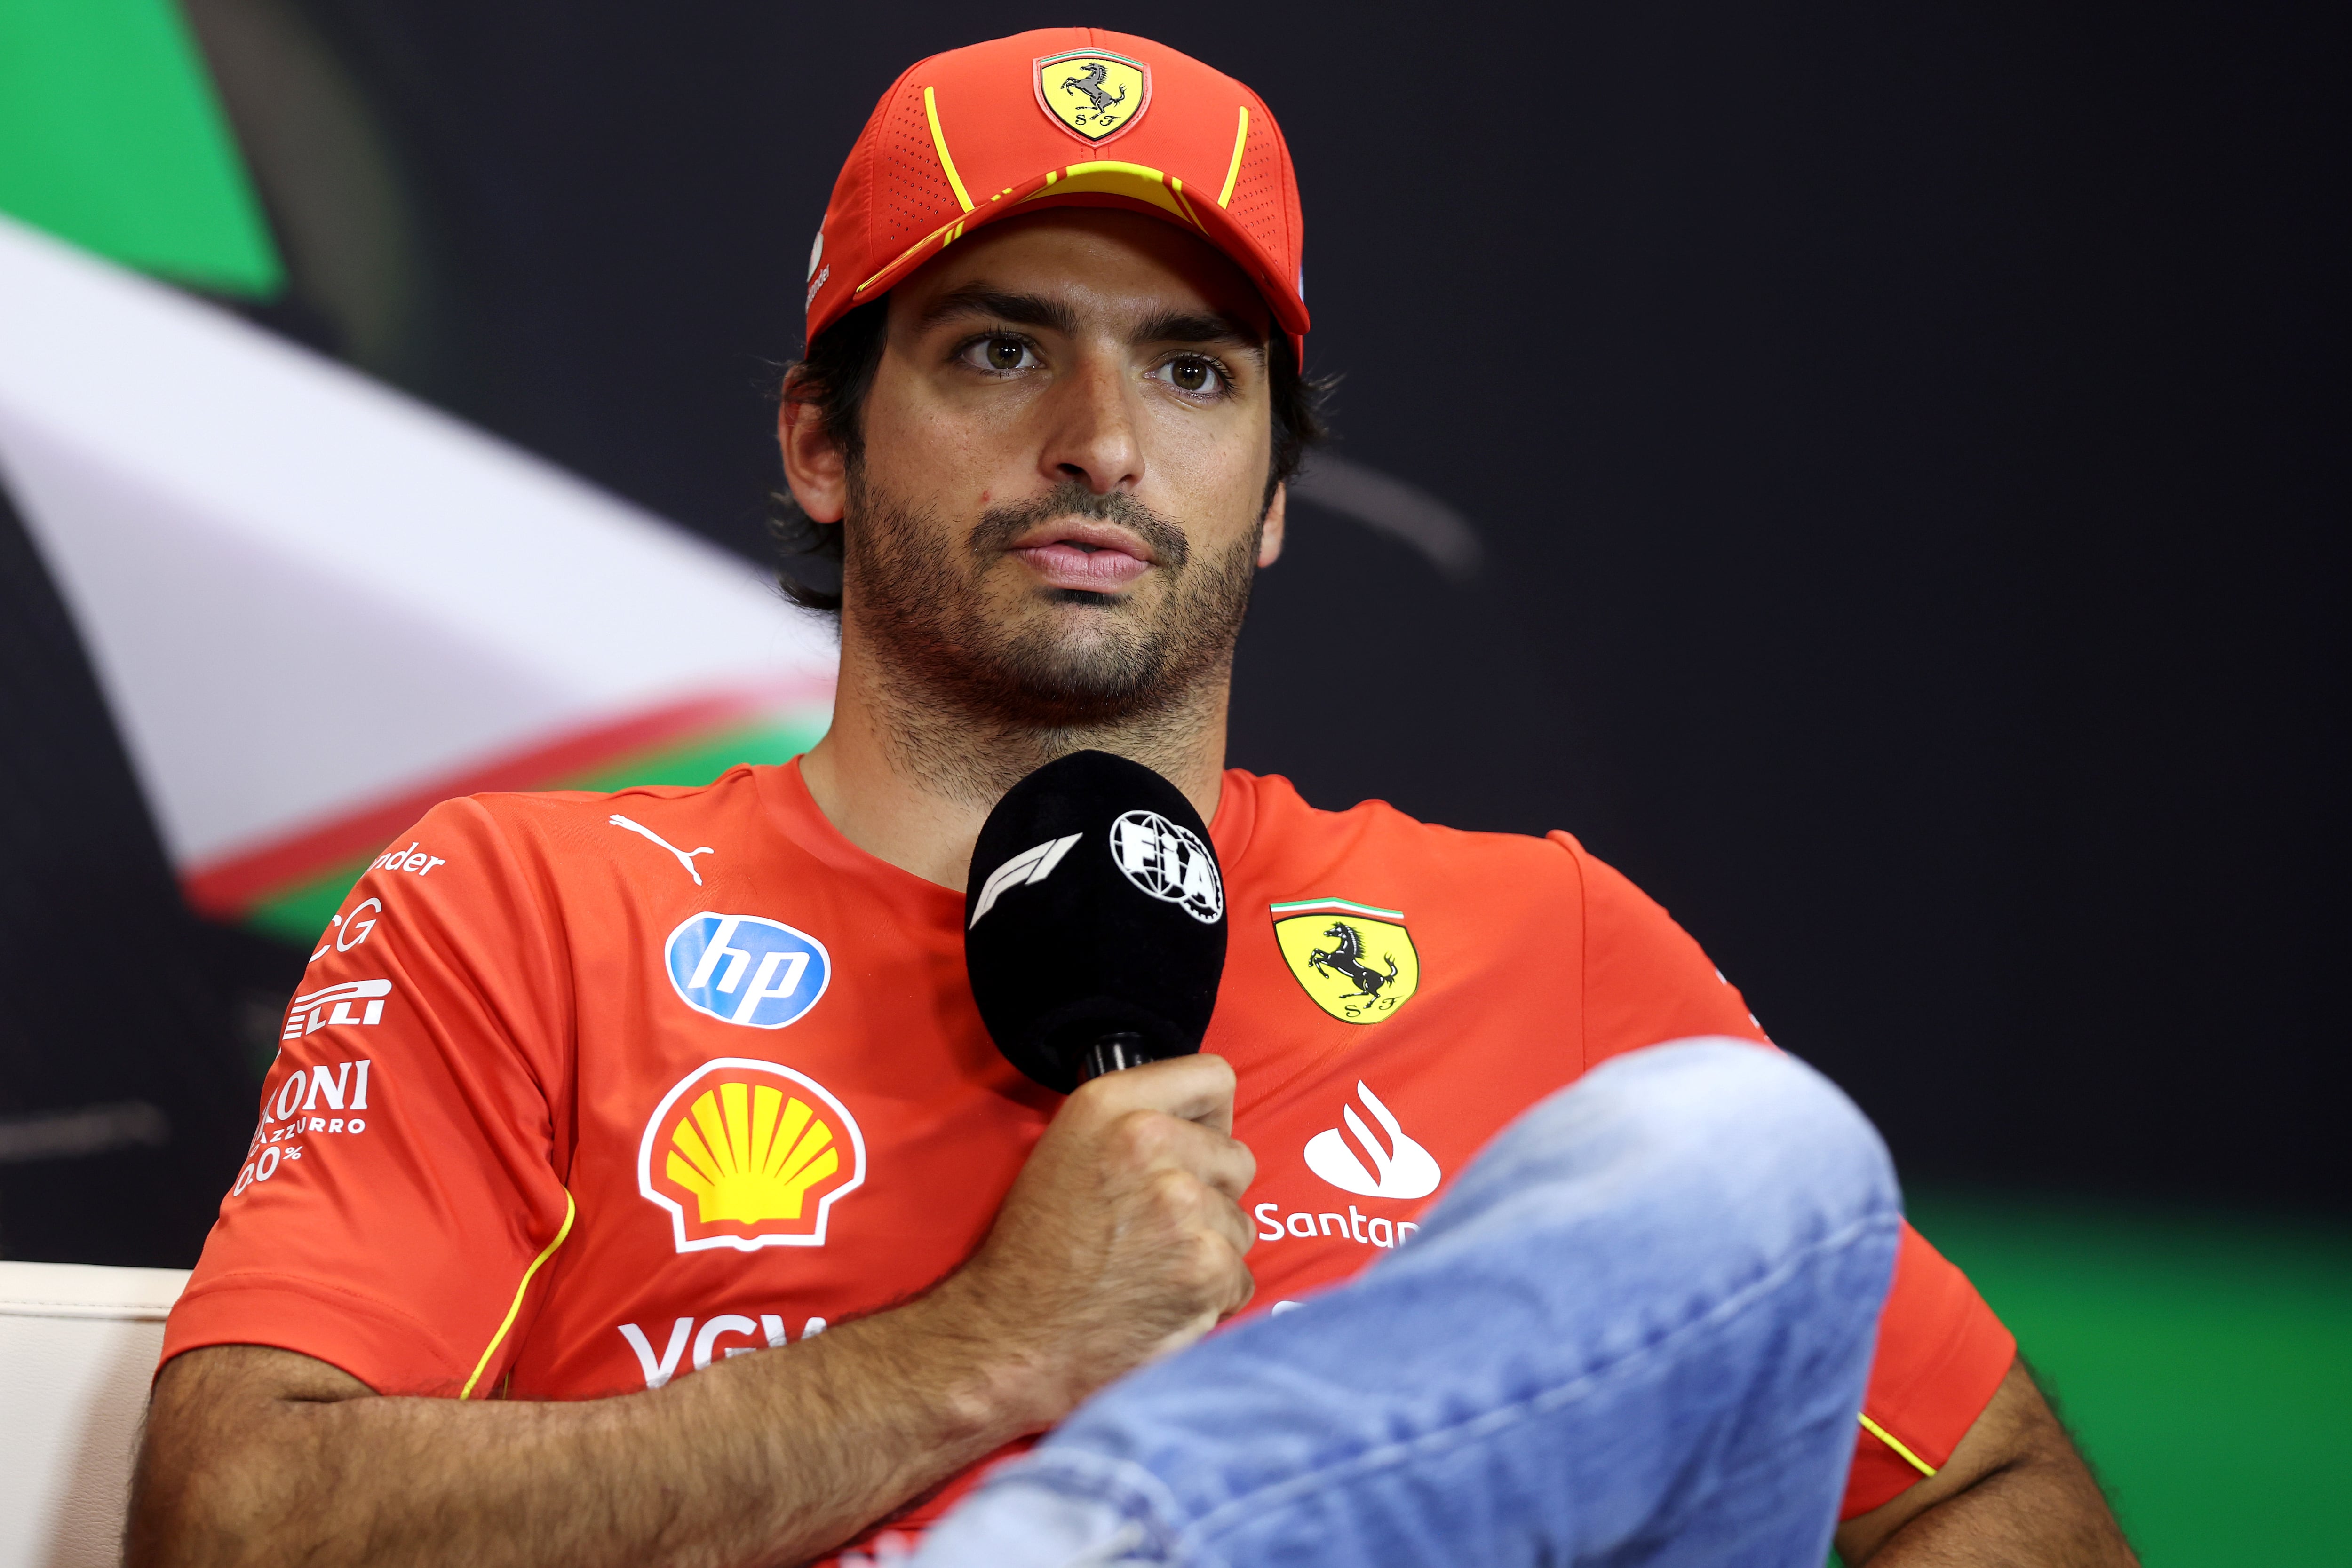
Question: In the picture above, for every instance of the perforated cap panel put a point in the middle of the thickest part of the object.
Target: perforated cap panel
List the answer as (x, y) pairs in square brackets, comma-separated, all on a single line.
[(912, 192), (1261, 202)]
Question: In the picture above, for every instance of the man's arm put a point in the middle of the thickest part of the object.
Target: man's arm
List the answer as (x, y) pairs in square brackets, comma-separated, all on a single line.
[(2014, 1491), (1121, 1239)]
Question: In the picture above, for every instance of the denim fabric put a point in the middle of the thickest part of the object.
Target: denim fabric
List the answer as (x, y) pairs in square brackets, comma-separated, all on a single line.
[(1636, 1330)]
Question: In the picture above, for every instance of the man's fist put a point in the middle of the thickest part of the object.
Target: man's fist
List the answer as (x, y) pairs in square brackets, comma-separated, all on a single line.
[(1122, 1237)]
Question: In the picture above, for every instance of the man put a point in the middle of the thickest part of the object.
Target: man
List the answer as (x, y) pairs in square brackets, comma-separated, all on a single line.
[(651, 1192)]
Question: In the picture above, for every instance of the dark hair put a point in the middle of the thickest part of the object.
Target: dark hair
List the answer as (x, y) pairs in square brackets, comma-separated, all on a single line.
[(838, 371)]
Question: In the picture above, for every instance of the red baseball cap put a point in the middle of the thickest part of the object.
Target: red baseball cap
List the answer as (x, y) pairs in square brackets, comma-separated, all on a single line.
[(1059, 117)]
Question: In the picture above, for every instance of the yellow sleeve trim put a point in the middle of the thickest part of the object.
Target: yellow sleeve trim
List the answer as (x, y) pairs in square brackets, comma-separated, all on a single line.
[(570, 1209), (1887, 1438), (940, 145), (1233, 169)]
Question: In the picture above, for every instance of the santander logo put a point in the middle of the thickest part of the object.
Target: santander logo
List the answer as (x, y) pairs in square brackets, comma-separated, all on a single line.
[(1397, 1168)]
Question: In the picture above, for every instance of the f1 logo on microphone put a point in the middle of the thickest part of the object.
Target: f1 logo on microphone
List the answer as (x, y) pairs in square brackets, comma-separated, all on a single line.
[(745, 970), (1031, 866)]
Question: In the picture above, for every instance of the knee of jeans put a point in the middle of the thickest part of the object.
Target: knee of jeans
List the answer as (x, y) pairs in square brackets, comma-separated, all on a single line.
[(1758, 1116), (1730, 1116)]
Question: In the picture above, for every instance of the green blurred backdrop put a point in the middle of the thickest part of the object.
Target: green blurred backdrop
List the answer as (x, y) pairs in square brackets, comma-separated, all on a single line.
[(2203, 1360)]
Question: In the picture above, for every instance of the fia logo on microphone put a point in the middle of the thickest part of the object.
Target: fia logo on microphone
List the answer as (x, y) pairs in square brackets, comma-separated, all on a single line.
[(1169, 863)]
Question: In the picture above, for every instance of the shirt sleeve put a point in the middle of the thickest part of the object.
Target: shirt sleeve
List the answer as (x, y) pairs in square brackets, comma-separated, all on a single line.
[(1941, 1350), (401, 1189)]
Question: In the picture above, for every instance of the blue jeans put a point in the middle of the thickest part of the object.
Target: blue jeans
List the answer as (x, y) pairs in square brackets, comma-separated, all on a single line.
[(1636, 1330)]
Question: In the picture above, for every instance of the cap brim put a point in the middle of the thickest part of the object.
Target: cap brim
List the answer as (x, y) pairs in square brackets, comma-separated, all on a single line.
[(1159, 193)]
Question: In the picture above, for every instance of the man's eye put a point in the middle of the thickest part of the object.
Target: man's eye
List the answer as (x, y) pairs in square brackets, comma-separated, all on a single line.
[(1195, 375), (1000, 354)]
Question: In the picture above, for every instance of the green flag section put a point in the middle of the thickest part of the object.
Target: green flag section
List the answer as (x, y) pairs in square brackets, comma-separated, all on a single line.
[(111, 138), (299, 910), (2204, 1362)]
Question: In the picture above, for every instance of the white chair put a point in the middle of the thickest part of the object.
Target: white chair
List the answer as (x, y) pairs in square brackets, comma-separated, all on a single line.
[(77, 1349)]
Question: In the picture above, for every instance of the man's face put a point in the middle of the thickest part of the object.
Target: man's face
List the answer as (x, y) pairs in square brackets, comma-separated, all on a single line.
[(1066, 446)]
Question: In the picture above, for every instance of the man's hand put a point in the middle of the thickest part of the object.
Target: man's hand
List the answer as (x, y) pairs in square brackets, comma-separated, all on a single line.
[(1122, 1239), (2014, 1491)]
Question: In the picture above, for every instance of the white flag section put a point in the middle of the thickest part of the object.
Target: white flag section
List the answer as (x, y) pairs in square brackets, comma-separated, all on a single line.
[(307, 595)]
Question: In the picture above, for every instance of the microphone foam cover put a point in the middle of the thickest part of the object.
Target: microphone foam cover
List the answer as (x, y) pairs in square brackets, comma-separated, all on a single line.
[(1095, 905)]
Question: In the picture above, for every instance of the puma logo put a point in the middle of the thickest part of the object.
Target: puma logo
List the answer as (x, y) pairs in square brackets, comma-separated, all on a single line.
[(685, 857)]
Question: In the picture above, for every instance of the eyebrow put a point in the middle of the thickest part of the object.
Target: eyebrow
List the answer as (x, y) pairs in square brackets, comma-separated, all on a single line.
[(1200, 327), (979, 300), (1054, 316)]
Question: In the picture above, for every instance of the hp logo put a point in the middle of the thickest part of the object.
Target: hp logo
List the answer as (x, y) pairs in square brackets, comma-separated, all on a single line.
[(740, 968)]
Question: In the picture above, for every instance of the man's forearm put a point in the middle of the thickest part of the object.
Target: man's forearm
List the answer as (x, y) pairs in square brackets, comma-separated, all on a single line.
[(1121, 1239), (768, 1457), (2048, 1513), (2014, 1491)]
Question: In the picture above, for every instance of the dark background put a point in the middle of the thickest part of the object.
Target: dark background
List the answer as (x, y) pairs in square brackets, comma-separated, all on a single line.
[(1908, 442)]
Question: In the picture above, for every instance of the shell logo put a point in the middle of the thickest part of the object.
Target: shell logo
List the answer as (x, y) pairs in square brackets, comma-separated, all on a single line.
[(747, 1155)]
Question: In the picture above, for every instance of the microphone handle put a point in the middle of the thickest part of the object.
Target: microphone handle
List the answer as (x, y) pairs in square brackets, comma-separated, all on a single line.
[(1112, 1053)]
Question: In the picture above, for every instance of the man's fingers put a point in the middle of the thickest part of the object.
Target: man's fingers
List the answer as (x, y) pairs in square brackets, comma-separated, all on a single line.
[(1235, 1227), (1150, 1141), (1218, 1160), (1190, 1088)]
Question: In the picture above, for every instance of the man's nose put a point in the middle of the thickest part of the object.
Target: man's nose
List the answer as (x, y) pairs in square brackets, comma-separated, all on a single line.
[(1092, 434)]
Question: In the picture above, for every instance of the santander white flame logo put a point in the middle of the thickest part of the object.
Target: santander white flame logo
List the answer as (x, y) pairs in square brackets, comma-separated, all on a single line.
[(1401, 1169)]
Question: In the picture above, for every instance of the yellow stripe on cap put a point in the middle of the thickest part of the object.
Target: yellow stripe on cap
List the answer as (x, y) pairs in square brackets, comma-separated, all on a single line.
[(908, 254), (1233, 169), (1887, 1438), (1177, 185), (570, 1209), (1132, 180), (940, 145)]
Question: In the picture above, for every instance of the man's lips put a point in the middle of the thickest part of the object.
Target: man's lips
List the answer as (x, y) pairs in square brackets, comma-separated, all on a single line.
[(1092, 560)]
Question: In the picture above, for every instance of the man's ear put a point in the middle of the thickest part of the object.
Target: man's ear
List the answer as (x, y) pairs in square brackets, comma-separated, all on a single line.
[(814, 469), (1269, 538)]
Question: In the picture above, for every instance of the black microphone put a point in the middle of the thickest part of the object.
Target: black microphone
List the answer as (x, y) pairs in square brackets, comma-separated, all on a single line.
[(1095, 924)]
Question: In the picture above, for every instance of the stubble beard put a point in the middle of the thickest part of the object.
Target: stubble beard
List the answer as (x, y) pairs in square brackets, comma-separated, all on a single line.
[(974, 699)]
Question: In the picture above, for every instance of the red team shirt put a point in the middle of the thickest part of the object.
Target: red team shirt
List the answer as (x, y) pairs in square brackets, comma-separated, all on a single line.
[(583, 1093)]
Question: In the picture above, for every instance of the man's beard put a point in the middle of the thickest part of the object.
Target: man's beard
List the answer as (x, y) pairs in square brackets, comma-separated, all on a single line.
[(918, 599)]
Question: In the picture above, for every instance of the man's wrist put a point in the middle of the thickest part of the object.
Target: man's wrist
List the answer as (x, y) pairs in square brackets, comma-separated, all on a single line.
[(995, 1381)]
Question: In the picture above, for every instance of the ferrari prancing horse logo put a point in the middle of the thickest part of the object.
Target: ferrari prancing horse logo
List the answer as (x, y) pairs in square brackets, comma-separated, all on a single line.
[(1093, 94), (1357, 963)]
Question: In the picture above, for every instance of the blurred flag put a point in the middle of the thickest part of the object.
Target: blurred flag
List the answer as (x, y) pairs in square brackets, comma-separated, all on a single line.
[(316, 606)]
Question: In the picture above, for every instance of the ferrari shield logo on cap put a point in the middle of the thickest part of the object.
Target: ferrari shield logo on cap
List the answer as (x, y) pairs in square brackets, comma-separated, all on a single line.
[(1093, 94), (1357, 963)]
